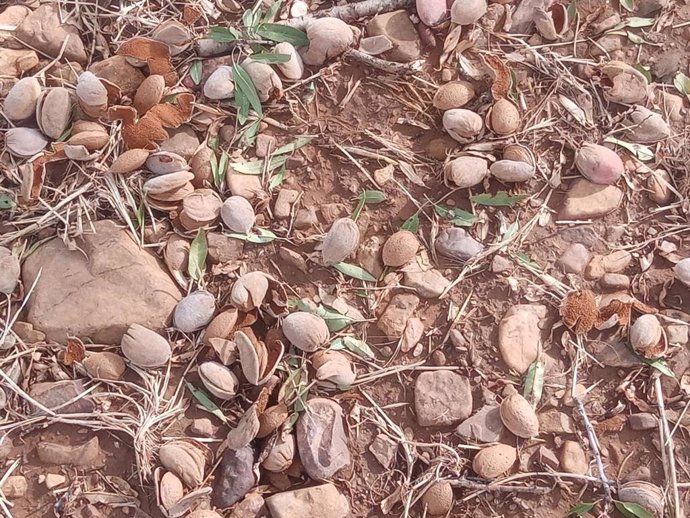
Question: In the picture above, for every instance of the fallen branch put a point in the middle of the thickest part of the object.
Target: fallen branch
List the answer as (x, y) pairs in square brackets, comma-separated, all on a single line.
[(352, 12), (389, 67), (469, 484), (668, 449)]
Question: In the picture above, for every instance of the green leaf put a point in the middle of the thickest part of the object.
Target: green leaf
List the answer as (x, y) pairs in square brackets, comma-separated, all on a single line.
[(636, 22), (500, 199), (354, 271), (6, 202), (628, 5), (642, 152), (206, 402), (525, 260), (293, 146), (572, 10), (214, 143), (458, 217), (223, 34), (257, 167), (682, 83), (262, 237), (277, 179), (581, 509), (660, 365), (372, 196), (272, 12), (250, 132), (141, 212), (411, 223), (534, 382), (632, 510), (195, 72), (353, 344), (270, 57), (246, 89), (249, 19), (197, 256), (638, 40), (222, 168), (280, 33), (644, 71)]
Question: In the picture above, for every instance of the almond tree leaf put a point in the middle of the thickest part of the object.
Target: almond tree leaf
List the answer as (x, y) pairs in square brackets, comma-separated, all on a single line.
[(257, 167), (411, 223), (628, 5), (632, 510), (198, 251), (638, 40), (334, 320), (458, 217), (500, 199), (636, 22), (534, 382), (249, 19), (277, 179), (262, 237), (280, 33), (642, 152), (270, 57), (660, 365), (206, 402), (195, 72), (682, 83), (644, 71), (272, 11), (353, 344), (372, 196), (581, 509), (6, 202), (572, 10), (250, 132), (354, 271), (223, 34), (293, 146), (244, 85)]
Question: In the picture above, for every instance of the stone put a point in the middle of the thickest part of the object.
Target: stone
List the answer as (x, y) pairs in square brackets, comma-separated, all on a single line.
[(442, 398), (11, 18), (574, 259), (573, 458), (500, 264), (369, 255), (293, 259), (56, 396), (643, 421), (87, 455), (333, 211), (547, 457), (15, 486), (98, 289), (429, 284), (589, 200), (385, 174), (321, 439), (15, 62), (647, 7), (606, 44), (615, 281), (223, 249), (616, 262), (457, 244), (283, 206), (667, 63), (438, 358), (265, 144), (252, 506), (398, 28), (519, 336), (614, 354), (555, 421), (677, 334), (312, 502), (183, 141), (43, 31), (658, 185), (245, 185), (27, 333), (306, 218), (203, 427), (384, 449), (581, 234), (484, 426), (54, 480), (679, 364), (118, 71), (235, 478), (399, 310)]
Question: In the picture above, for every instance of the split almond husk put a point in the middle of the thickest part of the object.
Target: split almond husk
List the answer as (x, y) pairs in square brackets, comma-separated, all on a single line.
[(272, 419), (170, 490), (176, 257), (155, 53), (280, 454), (149, 93), (306, 331), (218, 379), (463, 125), (645, 494), (129, 161), (54, 111), (174, 34), (226, 350), (266, 80), (249, 291), (340, 242), (646, 126), (552, 24), (104, 365), (623, 83), (222, 325), (186, 459), (258, 359)]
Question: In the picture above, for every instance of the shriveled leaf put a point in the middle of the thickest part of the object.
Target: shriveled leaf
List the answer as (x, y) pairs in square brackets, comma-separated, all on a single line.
[(644, 71), (258, 166), (660, 365), (682, 83), (195, 72), (198, 251), (572, 10), (458, 217), (632, 510), (223, 34), (534, 382), (628, 5), (270, 57), (644, 153), (411, 223), (206, 402), (6, 202), (262, 237), (581, 509), (245, 87), (354, 271), (500, 199), (353, 344), (280, 33)]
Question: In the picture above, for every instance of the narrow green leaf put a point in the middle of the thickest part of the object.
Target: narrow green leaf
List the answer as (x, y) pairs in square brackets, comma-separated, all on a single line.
[(632, 510), (572, 10), (262, 237), (660, 365), (636, 22), (272, 12), (6, 202), (373, 196), (354, 271), (280, 33), (206, 402), (644, 71), (334, 320), (628, 5), (581, 509), (242, 102), (257, 167), (198, 251), (525, 260), (642, 152), (682, 83), (458, 217), (293, 146), (195, 72), (214, 143), (638, 40), (223, 34), (277, 179), (353, 344), (250, 132), (222, 166), (141, 212), (249, 19), (244, 85), (411, 223), (270, 57), (500, 199), (534, 382)]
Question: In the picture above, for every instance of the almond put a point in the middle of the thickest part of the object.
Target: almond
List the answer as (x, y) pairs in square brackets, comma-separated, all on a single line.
[(493, 461), (400, 248), (340, 242)]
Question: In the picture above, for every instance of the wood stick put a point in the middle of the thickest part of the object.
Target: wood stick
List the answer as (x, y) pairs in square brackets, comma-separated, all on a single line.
[(389, 67), (352, 12), (469, 484), (667, 444)]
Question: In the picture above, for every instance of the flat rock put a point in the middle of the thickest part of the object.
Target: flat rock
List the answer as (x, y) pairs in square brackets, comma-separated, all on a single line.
[(236, 477), (399, 310), (313, 502), (574, 259), (384, 449), (56, 396), (679, 364), (265, 144), (12, 17), (590, 200), (245, 185), (442, 398), (614, 354), (223, 249), (519, 336), (643, 421), (87, 455), (14, 62), (283, 206), (457, 244), (203, 427), (429, 284), (100, 289), (252, 506), (43, 31), (554, 421), (369, 255), (321, 439), (398, 28), (54, 480), (484, 426), (116, 70)]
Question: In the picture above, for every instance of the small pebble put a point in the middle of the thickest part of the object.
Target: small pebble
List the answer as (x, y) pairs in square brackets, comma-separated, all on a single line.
[(643, 421), (438, 358), (574, 259), (265, 144), (615, 281), (677, 334), (386, 351), (500, 264), (284, 201), (203, 427)]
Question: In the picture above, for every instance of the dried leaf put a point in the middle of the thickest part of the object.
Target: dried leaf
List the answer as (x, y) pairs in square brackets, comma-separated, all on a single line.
[(75, 351), (155, 53), (579, 311), (613, 424), (190, 15), (503, 81)]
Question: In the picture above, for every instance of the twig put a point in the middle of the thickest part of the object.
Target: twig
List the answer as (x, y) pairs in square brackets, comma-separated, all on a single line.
[(469, 484), (667, 442), (389, 67), (352, 12)]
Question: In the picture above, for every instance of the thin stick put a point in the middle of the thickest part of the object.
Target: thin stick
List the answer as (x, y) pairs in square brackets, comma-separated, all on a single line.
[(352, 12), (389, 67), (468, 484), (667, 441)]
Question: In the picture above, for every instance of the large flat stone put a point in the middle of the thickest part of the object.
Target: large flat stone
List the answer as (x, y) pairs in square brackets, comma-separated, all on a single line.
[(590, 200), (99, 289)]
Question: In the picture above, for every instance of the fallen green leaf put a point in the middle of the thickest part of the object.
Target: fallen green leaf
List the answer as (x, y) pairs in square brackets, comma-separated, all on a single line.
[(581, 509), (632, 510), (660, 365), (525, 260), (628, 5), (572, 10), (249, 19), (6, 201), (195, 72), (644, 71), (354, 271), (270, 57), (458, 217), (353, 344), (272, 12), (500, 199), (638, 40), (206, 402), (372, 196), (277, 179), (223, 34), (411, 223), (262, 237), (682, 83), (642, 152), (257, 167), (280, 33), (292, 146), (198, 251), (245, 87), (249, 133), (534, 382), (636, 22)]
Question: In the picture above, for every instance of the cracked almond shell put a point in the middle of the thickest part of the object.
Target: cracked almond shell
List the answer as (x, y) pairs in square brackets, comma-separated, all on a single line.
[(647, 337), (218, 379), (104, 365), (462, 124), (186, 459), (249, 291), (149, 93), (25, 142)]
